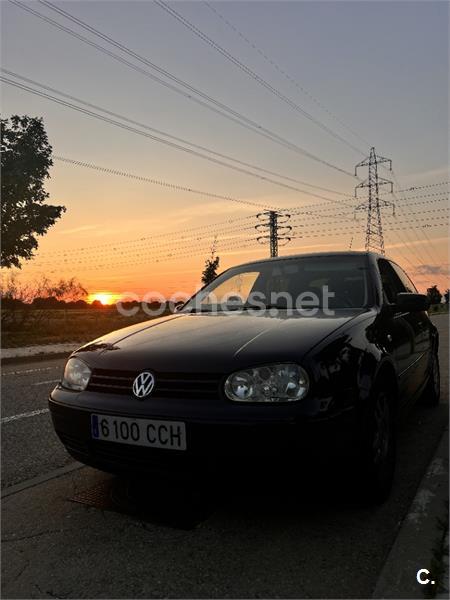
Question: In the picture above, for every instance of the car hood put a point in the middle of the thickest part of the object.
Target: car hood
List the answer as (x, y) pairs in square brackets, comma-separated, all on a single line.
[(213, 343)]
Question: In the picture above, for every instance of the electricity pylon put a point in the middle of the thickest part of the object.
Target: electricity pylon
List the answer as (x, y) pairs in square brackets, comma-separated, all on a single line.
[(275, 223), (373, 204)]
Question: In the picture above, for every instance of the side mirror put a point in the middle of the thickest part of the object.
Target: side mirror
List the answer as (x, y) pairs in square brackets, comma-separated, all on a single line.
[(178, 306), (407, 302)]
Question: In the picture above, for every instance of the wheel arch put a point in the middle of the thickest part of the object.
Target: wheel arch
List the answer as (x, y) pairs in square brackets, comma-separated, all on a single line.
[(375, 371), (386, 376)]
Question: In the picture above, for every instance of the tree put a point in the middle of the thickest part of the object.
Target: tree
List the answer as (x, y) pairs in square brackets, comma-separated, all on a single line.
[(77, 304), (434, 295), (48, 303), (67, 290), (25, 162), (446, 296), (97, 304), (211, 265)]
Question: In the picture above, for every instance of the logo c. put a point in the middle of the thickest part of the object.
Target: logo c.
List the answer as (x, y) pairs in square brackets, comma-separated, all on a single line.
[(419, 576)]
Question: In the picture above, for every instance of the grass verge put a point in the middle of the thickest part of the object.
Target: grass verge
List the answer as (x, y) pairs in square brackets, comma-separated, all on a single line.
[(61, 326)]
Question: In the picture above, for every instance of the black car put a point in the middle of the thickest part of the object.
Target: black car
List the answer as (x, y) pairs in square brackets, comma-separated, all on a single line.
[(302, 356)]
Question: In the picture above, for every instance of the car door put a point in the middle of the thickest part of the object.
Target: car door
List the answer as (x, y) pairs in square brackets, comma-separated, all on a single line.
[(422, 327), (402, 333)]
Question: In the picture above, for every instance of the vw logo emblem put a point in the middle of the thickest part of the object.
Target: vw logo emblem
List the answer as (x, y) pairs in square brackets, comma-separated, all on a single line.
[(143, 384)]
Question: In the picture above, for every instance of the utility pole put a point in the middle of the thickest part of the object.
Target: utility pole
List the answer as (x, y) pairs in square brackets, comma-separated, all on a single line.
[(373, 204), (274, 223)]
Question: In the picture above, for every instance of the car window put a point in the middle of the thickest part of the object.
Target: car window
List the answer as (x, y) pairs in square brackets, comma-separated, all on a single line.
[(327, 281), (409, 286), (391, 282), (237, 287)]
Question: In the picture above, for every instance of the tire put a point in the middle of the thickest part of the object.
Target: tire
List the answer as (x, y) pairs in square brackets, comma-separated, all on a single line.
[(432, 393), (376, 463)]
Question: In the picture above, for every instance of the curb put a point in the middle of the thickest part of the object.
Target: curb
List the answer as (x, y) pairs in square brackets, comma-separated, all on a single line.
[(419, 532), (33, 353), (24, 485), (17, 360), (445, 565)]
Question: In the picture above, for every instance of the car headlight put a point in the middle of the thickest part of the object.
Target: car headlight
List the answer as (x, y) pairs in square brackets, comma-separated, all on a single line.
[(76, 375), (285, 382)]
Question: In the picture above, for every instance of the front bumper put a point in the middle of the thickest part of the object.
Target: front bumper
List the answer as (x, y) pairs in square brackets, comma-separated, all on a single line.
[(212, 444)]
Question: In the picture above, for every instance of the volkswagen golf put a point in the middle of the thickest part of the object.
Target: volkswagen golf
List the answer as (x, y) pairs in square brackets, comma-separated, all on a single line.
[(298, 357)]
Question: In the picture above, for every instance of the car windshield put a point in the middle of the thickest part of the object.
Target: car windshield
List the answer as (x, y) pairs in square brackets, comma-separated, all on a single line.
[(301, 282)]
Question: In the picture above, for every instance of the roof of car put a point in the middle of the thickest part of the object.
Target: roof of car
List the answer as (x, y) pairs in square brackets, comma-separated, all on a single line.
[(313, 254)]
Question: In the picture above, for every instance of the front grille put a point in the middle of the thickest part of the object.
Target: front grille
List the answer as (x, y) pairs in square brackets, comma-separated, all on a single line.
[(167, 385)]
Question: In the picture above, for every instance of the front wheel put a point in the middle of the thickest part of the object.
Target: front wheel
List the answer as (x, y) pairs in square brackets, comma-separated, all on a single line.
[(432, 392), (376, 462)]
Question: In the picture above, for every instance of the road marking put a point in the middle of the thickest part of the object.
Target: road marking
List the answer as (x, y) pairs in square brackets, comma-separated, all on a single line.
[(44, 382), (26, 371), (34, 413), (19, 487)]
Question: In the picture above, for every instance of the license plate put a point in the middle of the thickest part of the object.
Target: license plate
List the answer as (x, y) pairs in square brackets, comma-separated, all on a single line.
[(139, 432)]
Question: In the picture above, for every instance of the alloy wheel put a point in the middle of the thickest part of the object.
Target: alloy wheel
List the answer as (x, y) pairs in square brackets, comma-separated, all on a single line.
[(382, 429)]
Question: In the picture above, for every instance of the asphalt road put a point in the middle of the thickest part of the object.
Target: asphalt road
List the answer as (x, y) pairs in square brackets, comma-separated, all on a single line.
[(261, 542), (29, 444)]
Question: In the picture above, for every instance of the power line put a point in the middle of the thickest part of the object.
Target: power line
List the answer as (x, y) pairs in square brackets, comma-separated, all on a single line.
[(212, 226), (345, 217), (404, 256), (139, 257), (309, 210), (144, 179), (100, 48), (421, 187), (318, 232), (158, 131), (396, 191), (283, 72), (396, 249), (318, 207), (200, 229), (116, 250), (409, 234), (112, 171), (232, 244), (153, 250), (437, 221), (200, 34), (437, 197), (146, 245), (420, 221), (222, 109), (403, 232), (158, 139), (434, 259)]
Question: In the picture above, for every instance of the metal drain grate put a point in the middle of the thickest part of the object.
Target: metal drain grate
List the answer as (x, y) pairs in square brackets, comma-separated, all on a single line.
[(173, 508), (100, 496)]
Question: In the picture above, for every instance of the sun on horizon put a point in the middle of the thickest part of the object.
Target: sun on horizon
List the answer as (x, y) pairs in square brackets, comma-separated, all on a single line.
[(105, 298)]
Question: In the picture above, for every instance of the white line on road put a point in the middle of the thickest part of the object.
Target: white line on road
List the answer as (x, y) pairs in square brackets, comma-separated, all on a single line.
[(34, 413), (44, 382), (26, 371)]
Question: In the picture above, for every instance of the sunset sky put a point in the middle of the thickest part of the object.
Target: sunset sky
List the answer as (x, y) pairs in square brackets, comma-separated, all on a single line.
[(372, 73)]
